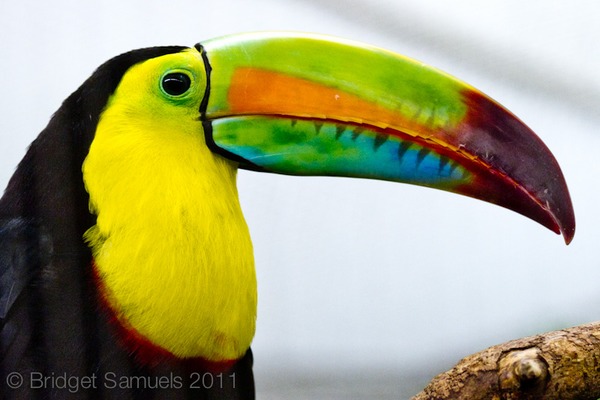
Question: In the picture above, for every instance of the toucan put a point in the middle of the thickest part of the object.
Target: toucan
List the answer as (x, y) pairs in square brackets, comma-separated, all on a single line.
[(126, 266)]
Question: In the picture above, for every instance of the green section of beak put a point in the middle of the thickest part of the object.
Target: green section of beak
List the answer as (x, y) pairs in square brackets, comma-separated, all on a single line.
[(311, 105), (428, 97)]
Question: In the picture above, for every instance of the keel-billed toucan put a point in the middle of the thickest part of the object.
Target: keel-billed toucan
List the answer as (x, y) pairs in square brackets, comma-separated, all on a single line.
[(124, 254)]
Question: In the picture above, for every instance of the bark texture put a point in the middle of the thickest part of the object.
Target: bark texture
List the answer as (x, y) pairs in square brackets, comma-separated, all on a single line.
[(559, 365)]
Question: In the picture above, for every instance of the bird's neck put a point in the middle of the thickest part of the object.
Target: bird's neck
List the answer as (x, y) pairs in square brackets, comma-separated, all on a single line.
[(171, 247)]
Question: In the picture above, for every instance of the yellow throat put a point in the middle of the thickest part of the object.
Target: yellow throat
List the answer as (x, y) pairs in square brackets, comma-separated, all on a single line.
[(171, 246)]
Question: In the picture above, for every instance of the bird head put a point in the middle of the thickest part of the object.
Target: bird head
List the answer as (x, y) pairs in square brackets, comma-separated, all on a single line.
[(311, 105)]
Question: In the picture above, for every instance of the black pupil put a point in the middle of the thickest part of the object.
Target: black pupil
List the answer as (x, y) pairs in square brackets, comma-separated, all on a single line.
[(176, 83)]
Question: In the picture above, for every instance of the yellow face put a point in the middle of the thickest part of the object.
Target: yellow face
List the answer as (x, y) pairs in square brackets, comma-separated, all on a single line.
[(171, 246)]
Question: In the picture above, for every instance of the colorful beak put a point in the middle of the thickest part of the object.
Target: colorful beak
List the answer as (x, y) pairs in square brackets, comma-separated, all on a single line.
[(310, 105)]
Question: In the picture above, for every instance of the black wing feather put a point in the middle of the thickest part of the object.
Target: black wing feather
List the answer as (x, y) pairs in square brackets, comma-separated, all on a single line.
[(23, 250)]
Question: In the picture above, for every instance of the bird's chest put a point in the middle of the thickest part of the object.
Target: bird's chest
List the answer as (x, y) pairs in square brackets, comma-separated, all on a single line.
[(172, 252), (184, 290)]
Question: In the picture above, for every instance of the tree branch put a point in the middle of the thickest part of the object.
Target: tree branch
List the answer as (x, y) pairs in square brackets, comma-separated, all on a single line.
[(559, 365)]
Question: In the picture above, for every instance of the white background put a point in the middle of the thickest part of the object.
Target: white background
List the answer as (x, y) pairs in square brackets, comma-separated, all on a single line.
[(363, 284)]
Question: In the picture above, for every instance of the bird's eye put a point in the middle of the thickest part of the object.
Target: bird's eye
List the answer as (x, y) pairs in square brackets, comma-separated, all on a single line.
[(176, 83)]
